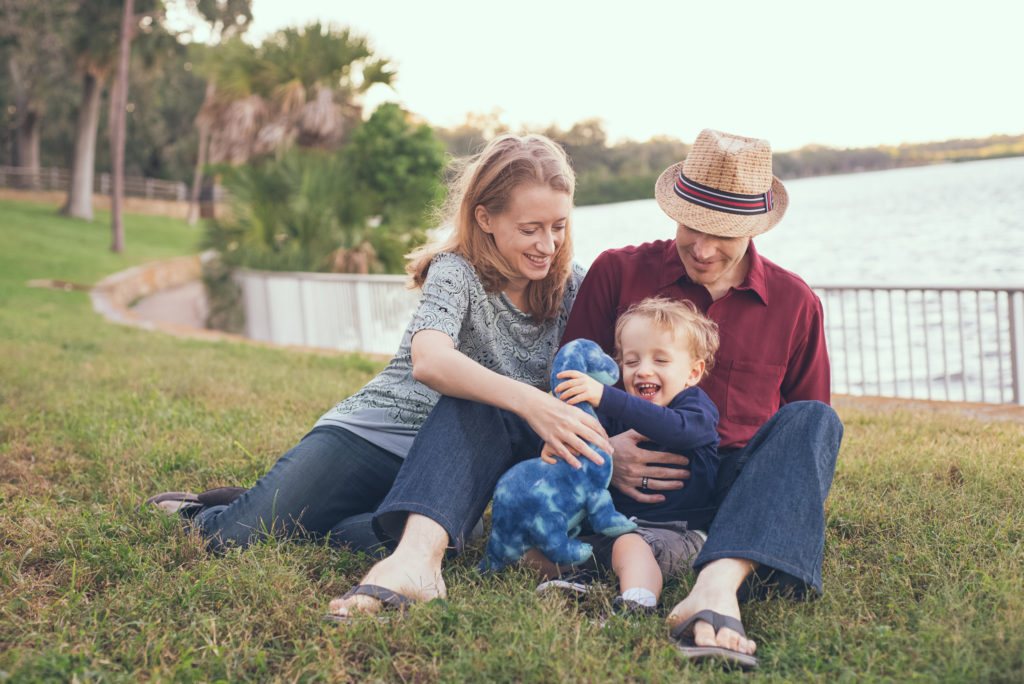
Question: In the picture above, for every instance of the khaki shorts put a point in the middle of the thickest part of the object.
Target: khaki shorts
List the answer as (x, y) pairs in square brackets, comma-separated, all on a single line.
[(674, 545)]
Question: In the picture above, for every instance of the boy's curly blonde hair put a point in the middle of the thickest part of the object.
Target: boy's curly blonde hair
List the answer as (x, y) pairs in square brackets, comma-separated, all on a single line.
[(681, 318)]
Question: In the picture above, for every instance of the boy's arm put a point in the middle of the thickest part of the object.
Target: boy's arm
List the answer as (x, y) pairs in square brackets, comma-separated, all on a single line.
[(689, 421)]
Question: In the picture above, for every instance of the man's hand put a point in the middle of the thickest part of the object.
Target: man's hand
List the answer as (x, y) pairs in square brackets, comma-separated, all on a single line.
[(629, 468)]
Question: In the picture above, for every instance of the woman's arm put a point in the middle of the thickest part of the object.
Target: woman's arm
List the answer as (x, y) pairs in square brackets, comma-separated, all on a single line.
[(567, 429)]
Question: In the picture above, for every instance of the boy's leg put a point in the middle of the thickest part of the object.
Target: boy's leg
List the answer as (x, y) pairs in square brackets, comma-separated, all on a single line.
[(639, 576)]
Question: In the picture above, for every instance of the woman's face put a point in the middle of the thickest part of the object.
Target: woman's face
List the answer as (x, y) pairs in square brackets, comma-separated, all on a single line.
[(530, 231)]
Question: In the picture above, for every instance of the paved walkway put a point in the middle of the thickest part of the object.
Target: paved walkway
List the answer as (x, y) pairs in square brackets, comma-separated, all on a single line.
[(982, 412), (182, 305)]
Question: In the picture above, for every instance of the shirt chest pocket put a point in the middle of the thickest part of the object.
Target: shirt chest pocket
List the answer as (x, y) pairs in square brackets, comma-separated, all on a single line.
[(754, 391)]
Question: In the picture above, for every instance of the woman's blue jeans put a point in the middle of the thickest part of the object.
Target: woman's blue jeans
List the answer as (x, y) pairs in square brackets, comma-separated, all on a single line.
[(772, 491), (327, 486), (455, 461)]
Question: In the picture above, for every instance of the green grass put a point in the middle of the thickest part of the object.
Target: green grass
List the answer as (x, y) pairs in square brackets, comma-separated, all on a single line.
[(923, 568)]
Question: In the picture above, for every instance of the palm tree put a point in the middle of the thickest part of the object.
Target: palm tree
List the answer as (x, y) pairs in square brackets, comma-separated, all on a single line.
[(229, 19), (301, 86)]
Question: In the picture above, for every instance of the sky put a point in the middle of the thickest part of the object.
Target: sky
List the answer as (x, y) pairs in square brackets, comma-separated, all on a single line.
[(851, 74)]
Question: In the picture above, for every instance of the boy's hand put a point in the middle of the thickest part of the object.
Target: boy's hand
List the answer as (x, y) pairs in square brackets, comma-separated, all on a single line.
[(579, 387), (548, 455)]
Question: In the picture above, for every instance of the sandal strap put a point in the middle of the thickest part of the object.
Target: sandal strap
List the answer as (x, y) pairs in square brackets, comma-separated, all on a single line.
[(716, 620), (382, 594)]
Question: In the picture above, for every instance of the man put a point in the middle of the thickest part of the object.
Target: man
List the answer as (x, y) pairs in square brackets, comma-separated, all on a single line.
[(770, 381)]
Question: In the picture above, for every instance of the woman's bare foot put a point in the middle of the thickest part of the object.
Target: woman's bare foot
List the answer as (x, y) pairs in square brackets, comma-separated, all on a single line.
[(715, 589), (413, 570)]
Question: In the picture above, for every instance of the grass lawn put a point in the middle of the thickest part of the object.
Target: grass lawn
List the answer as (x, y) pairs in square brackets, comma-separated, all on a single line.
[(923, 567)]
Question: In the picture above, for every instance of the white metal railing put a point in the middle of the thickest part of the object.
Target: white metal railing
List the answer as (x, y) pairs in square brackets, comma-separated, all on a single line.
[(928, 342), (20, 178)]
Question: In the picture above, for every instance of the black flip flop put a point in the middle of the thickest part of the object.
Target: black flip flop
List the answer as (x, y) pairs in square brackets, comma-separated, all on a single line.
[(220, 496), (390, 600), (683, 636), (187, 503)]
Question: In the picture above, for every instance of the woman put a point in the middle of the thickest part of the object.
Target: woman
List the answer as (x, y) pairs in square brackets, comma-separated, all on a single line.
[(495, 299)]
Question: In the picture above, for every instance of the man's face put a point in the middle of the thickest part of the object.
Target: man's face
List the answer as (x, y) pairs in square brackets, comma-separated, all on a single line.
[(712, 261)]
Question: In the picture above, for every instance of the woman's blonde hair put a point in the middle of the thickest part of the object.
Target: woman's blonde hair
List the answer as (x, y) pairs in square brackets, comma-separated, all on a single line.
[(679, 317), (488, 179)]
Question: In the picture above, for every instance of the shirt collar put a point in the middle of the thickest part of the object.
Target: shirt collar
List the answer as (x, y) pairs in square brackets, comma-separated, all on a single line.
[(756, 281)]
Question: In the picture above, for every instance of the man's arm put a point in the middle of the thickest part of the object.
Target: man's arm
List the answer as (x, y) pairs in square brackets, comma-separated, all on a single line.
[(595, 310), (808, 375)]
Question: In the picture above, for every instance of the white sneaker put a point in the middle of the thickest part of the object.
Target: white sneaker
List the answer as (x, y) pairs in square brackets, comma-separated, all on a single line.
[(577, 581)]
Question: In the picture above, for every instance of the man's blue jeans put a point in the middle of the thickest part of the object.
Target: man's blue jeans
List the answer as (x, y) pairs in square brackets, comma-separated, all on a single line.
[(771, 496), (772, 491), (327, 486)]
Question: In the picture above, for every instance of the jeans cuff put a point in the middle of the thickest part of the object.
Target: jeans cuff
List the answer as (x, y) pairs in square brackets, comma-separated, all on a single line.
[(389, 520)]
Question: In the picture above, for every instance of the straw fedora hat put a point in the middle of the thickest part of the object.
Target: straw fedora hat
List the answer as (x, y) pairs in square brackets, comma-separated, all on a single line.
[(725, 187)]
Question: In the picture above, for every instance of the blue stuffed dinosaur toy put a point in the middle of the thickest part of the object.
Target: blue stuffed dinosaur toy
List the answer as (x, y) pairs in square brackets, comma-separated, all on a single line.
[(541, 505)]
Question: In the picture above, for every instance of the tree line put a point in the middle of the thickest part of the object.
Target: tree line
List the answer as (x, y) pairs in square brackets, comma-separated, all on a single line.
[(627, 170)]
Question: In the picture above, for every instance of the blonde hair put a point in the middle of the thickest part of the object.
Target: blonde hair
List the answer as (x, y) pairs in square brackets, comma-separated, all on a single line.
[(679, 317), (488, 179)]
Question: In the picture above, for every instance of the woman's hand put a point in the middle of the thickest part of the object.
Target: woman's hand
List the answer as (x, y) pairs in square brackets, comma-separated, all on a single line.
[(579, 387), (565, 430), (630, 469)]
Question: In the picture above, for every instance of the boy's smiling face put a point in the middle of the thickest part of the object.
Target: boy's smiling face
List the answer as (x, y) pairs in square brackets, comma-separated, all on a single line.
[(656, 366)]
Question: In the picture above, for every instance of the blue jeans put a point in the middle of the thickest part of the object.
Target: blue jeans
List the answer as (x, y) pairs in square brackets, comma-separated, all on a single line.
[(327, 486), (454, 463), (771, 497)]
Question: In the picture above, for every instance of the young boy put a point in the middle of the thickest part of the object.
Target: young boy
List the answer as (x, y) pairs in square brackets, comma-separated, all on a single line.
[(664, 347)]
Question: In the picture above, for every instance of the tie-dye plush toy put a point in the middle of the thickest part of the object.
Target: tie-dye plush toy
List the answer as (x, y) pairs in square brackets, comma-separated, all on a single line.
[(541, 505)]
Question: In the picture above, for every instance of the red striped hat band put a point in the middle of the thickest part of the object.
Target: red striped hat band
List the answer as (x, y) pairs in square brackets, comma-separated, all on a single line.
[(721, 200)]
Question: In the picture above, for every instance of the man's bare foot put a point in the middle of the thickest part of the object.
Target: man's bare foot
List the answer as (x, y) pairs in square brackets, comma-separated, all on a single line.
[(413, 570), (715, 589)]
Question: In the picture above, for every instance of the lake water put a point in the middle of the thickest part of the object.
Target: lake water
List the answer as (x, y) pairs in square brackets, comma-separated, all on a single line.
[(948, 224)]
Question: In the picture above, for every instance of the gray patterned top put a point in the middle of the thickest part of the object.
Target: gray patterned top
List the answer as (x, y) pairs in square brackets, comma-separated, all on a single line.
[(486, 327)]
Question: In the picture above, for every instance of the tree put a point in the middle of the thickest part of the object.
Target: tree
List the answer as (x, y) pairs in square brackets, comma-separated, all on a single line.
[(300, 87), (118, 106), (117, 120), (394, 165), (472, 134), (308, 209), (228, 19), (94, 45), (33, 44)]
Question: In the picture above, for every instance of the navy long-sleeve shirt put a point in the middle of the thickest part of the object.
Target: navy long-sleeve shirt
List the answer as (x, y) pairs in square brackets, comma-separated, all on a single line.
[(687, 426)]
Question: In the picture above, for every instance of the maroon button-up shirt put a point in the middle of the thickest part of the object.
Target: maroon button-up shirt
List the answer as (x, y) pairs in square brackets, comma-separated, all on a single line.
[(771, 327)]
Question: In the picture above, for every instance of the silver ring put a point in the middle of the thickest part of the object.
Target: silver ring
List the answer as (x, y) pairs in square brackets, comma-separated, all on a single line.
[(643, 483)]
